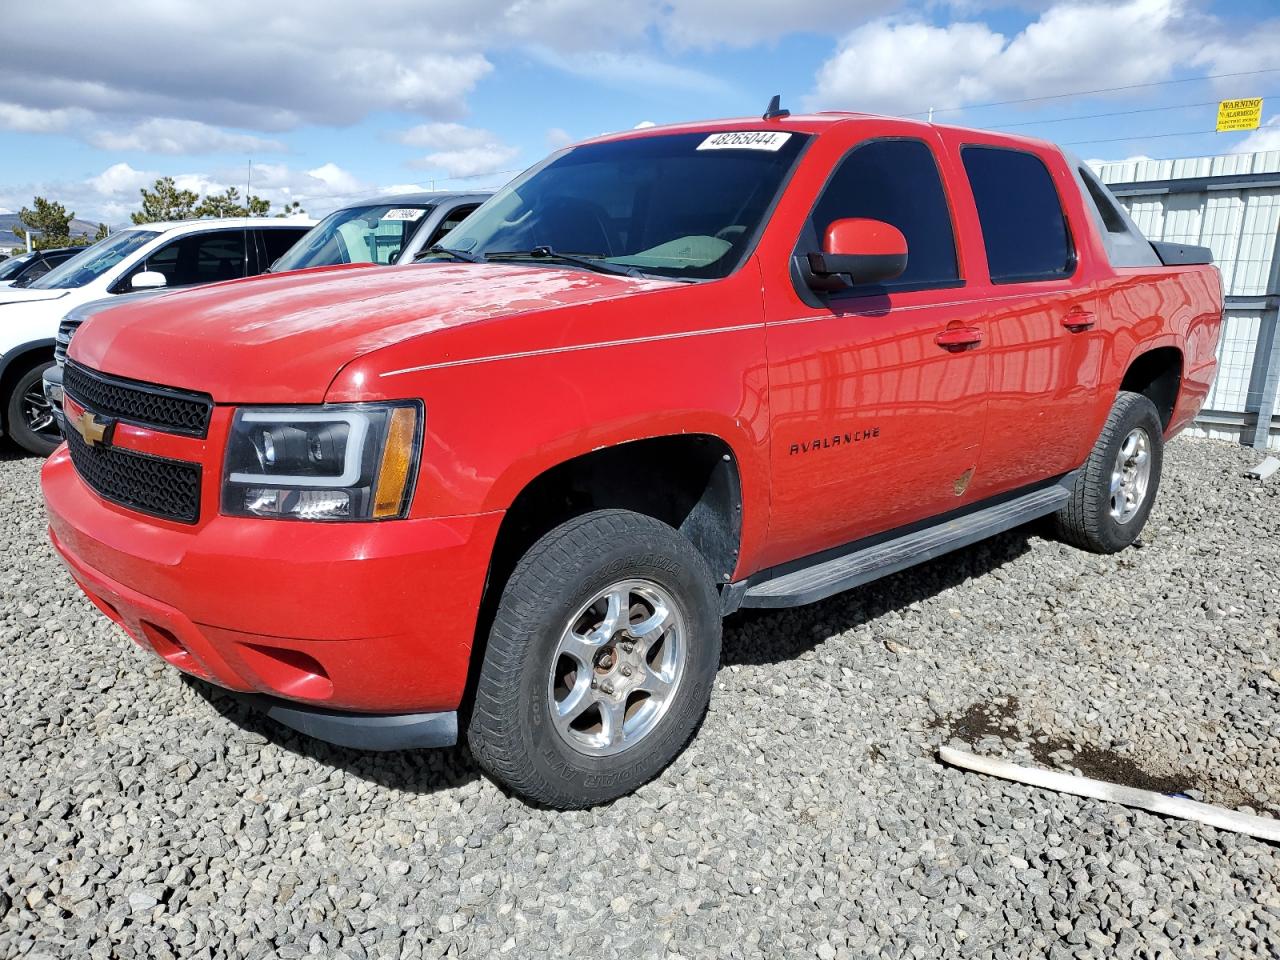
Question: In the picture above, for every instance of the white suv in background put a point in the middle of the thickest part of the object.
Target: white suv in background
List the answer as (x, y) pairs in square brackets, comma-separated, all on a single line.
[(152, 256)]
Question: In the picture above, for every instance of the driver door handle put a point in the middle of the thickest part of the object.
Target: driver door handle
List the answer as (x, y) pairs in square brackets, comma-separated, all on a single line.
[(956, 339), (1078, 320)]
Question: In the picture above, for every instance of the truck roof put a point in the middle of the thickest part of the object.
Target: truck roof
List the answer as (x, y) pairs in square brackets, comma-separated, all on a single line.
[(811, 123)]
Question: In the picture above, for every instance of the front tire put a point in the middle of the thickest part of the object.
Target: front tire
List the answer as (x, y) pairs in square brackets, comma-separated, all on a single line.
[(29, 416), (1116, 488), (600, 661)]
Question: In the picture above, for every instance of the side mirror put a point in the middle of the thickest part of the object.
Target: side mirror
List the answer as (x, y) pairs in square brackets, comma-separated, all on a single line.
[(861, 250), (148, 280)]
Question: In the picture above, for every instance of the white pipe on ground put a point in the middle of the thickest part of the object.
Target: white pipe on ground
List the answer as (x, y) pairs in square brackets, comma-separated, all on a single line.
[(1265, 828)]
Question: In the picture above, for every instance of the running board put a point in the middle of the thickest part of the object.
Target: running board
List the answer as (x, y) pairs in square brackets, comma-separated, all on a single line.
[(819, 580)]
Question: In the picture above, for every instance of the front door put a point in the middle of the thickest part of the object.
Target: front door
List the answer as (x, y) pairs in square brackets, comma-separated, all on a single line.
[(875, 423)]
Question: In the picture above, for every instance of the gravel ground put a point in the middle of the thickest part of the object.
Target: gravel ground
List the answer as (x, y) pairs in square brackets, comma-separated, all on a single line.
[(142, 815)]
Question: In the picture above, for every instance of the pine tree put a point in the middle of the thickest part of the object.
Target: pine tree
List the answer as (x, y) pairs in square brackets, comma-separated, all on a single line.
[(164, 201), (48, 223)]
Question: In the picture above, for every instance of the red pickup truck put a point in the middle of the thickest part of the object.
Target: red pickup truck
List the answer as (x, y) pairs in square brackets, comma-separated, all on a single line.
[(510, 491)]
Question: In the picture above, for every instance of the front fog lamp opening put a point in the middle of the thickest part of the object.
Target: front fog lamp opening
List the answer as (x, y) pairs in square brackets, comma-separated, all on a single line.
[(324, 462)]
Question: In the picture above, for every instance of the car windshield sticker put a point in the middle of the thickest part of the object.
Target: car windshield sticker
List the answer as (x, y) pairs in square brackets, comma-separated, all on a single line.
[(745, 140), (403, 213)]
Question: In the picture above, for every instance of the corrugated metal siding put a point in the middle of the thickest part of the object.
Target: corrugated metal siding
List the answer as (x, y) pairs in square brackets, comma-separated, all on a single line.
[(1241, 227), (1236, 350), (1231, 164)]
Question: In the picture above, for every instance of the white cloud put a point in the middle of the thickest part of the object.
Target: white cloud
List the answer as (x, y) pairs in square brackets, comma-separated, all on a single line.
[(28, 120), (1266, 137), (469, 161), (172, 136), (898, 65), (445, 135), (629, 70), (1240, 51), (112, 195), (251, 67), (336, 179), (644, 125), (458, 150), (120, 178), (558, 137), (705, 24)]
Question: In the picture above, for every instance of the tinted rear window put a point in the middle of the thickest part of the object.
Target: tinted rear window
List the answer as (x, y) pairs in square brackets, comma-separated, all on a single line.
[(1023, 225)]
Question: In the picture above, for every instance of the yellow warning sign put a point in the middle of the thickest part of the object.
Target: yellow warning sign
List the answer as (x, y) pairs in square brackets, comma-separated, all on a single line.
[(1243, 114)]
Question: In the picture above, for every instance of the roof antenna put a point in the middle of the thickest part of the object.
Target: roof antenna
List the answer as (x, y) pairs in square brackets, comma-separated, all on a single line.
[(775, 110)]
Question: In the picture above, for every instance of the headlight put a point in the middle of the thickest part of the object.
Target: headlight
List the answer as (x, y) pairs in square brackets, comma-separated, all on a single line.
[(331, 462)]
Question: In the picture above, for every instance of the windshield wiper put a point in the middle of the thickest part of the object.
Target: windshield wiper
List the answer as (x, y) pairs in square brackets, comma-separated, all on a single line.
[(456, 254), (588, 261)]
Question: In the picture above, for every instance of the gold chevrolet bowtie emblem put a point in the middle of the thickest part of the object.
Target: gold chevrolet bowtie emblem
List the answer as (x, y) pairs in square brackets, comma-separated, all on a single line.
[(90, 428)]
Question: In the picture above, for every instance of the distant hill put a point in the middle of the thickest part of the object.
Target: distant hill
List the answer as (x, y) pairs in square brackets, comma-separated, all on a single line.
[(10, 220)]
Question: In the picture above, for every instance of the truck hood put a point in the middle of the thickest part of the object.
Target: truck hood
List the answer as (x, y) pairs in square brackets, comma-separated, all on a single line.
[(283, 338)]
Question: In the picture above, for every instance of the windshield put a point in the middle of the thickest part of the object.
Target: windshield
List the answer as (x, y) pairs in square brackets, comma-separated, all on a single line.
[(682, 205), (94, 261), (13, 266), (369, 234)]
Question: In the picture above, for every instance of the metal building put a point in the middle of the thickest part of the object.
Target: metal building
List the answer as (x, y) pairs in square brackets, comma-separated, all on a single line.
[(1230, 204)]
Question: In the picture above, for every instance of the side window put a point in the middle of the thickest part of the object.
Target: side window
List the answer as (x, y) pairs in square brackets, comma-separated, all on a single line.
[(1023, 226), (164, 260), (895, 181), (200, 258), (37, 269), (1104, 202), (451, 220), (277, 241)]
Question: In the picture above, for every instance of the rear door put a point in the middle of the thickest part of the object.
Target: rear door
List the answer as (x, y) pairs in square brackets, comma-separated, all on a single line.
[(1041, 325), (875, 424)]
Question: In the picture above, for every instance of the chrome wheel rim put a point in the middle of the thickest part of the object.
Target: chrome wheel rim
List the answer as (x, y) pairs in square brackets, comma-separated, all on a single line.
[(1131, 475), (617, 668), (37, 412)]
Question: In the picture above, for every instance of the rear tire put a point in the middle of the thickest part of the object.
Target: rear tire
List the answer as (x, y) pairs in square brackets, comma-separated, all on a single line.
[(1116, 488), (29, 416), (600, 661)]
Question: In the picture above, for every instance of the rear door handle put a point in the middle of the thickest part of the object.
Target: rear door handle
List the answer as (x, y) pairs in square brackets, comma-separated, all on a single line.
[(1077, 320), (956, 339)]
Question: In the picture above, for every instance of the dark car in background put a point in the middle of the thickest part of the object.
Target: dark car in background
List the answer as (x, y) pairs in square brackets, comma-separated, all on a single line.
[(19, 271)]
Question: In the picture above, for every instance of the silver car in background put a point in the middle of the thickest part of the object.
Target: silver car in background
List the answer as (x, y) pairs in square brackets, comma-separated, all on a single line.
[(383, 230)]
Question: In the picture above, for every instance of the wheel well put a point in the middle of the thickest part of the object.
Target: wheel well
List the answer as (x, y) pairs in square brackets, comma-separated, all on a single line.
[(688, 481), (1157, 375), (14, 368)]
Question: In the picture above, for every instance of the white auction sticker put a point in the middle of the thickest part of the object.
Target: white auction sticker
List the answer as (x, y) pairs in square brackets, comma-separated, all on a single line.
[(403, 213), (745, 140)]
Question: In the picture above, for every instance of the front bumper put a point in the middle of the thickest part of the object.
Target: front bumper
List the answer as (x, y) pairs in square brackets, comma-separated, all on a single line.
[(370, 618), (362, 731), (51, 382)]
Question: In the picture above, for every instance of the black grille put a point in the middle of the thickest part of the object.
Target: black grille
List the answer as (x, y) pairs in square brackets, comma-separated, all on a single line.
[(145, 404), (154, 485), (66, 330)]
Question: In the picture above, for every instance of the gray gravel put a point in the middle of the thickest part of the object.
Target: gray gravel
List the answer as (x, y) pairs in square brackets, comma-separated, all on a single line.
[(144, 816)]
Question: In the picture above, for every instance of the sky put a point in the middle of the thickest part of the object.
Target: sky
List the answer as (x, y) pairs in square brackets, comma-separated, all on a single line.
[(326, 103)]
